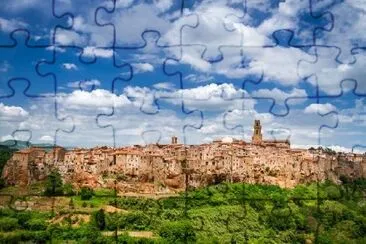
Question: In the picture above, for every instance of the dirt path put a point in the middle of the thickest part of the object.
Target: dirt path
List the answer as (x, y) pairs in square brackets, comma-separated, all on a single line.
[(141, 234)]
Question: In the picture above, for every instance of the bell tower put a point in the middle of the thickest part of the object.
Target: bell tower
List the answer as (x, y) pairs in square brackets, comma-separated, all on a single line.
[(257, 135), (174, 140)]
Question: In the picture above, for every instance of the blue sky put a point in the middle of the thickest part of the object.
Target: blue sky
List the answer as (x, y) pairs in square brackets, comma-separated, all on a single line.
[(88, 73)]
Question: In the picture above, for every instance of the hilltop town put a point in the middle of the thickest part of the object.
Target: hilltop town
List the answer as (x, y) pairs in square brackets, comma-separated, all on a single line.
[(170, 168)]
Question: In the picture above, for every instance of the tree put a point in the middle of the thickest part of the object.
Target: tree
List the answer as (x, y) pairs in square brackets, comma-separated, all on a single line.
[(99, 219), (54, 184), (86, 193)]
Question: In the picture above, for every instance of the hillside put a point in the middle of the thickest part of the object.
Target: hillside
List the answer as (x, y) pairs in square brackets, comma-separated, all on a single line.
[(224, 213), (18, 145)]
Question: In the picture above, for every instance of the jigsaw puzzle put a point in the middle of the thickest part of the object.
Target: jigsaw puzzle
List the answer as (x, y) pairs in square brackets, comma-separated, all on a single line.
[(188, 121)]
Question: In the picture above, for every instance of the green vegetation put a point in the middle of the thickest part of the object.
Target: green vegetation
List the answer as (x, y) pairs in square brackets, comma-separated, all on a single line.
[(5, 155), (223, 213), (99, 219), (86, 193), (54, 186)]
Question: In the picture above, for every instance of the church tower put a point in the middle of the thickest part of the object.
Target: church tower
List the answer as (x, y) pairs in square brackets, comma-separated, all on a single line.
[(257, 135)]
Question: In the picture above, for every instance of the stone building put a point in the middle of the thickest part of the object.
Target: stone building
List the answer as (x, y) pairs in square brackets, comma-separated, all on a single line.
[(164, 168)]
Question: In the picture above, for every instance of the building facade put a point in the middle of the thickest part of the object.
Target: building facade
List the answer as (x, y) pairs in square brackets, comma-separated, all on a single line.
[(173, 167)]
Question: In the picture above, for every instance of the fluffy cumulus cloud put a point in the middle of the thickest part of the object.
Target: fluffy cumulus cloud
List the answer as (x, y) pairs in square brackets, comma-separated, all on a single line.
[(319, 108), (217, 27), (281, 96), (142, 67), (124, 119), (12, 113), (97, 98)]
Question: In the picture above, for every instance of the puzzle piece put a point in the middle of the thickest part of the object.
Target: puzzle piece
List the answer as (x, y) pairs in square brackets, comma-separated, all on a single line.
[(41, 117), (327, 75), (152, 128), (253, 24), (18, 17), (348, 17), (78, 26), (145, 17), (260, 72), (10, 62), (89, 89), (239, 118), (352, 117)]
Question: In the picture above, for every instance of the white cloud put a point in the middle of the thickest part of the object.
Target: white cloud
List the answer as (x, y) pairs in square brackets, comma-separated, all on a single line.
[(84, 84), (97, 98), (11, 25), (70, 66), (98, 52), (12, 113), (142, 67), (46, 138), (319, 108), (280, 95), (199, 78), (6, 138), (67, 37), (139, 17), (208, 97), (58, 49), (163, 5), (164, 86)]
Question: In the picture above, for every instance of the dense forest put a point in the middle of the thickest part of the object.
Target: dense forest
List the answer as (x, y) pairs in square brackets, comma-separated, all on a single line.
[(223, 213)]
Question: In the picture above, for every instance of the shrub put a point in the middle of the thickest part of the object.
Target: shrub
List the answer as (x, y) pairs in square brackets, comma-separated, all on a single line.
[(178, 232), (86, 193), (23, 218), (36, 224), (68, 190), (137, 220), (8, 224), (84, 204)]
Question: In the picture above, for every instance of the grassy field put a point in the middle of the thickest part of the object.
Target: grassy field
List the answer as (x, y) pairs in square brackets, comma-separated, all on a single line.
[(224, 213)]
